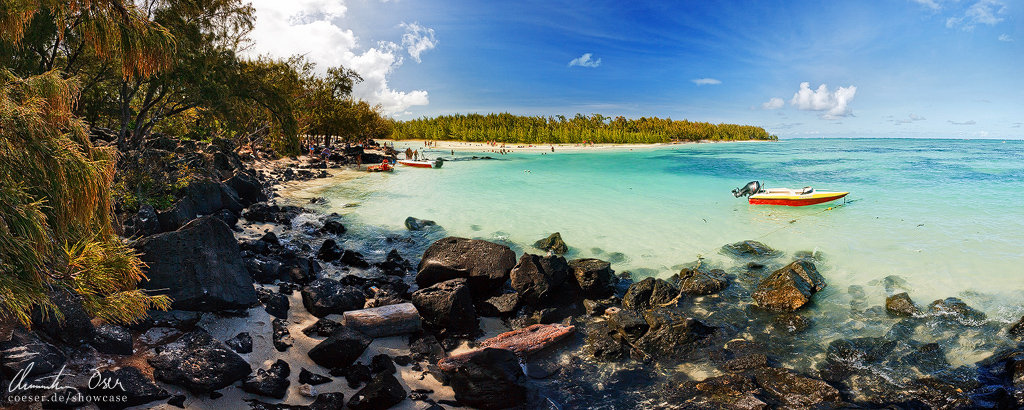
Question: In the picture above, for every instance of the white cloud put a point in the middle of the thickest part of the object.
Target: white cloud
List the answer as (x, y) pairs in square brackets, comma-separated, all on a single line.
[(585, 60), (1005, 37), (986, 12), (968, 122), (911, 118), (310, 28), (417, 39), (928, 3), (835, 104), (773, 104), (706, 81)]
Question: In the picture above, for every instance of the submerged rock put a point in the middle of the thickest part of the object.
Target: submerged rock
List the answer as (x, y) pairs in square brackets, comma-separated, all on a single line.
[(447, 305), (485, 265), (750, 249), (671, 333), (790, 389), (416, 224), (789, 288), (595, 277), (329, 251), (199, 363), (199, 266), (649, 292), (901, 305), (1017, 330), (540, 279), (553, 243), (699, 281), (957, 310)]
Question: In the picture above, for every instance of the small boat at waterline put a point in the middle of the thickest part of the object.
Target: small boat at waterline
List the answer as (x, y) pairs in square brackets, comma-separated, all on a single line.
[(437, 163), (756, 195)]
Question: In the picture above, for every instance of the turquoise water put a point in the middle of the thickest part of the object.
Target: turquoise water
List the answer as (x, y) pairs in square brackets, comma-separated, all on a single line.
[(943, 215)]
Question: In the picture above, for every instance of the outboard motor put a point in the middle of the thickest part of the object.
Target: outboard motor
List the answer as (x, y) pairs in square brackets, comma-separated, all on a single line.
[(749, 189)]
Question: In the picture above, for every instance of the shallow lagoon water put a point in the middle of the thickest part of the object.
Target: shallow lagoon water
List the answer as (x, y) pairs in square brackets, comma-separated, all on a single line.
[(942, 215)]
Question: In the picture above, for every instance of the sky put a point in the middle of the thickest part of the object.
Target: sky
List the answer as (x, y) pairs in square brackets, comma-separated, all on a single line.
[(895, 68)]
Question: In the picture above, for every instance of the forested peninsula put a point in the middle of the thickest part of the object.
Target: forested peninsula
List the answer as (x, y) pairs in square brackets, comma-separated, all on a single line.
[(560, 129)]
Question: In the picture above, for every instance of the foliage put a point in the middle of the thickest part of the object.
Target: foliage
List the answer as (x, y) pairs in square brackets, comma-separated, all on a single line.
[(55, 211), (55, 190), (596, 128)]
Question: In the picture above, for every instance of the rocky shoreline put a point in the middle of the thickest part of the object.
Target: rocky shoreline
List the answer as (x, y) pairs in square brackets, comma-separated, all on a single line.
[(270, 311)]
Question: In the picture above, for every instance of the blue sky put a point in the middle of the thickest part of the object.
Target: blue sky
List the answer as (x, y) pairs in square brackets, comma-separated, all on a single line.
[(900, 68)]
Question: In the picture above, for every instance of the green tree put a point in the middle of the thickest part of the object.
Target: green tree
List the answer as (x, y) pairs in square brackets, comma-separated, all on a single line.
[(55, 211)]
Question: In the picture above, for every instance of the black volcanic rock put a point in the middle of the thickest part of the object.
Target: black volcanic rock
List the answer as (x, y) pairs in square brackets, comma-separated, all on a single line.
[(199, 363)]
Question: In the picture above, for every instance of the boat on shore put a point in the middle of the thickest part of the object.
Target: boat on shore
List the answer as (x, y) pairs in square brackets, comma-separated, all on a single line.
[(437, 163), (757, 195), (384, 166)]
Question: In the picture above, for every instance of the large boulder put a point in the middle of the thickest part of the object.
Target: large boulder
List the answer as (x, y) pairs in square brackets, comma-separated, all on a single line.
[(199, 363), (595, 277), (789, 288), (447, 305), (74, 327), (201, 198), (248, 188), (649, 292), (553, 243), (485, 264), (491, 379), (326, 296), (699, 281), (539, 279), (24, 351), (112, 339), (199, 266), (339, 350)]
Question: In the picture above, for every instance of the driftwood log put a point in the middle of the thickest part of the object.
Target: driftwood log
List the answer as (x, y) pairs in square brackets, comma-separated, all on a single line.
[(384, 321)]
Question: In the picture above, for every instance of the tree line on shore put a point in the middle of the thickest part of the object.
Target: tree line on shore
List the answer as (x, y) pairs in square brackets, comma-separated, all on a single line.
[(596, 128)]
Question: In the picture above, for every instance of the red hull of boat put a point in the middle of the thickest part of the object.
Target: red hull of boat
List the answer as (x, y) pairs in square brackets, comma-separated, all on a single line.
[(795, 202)]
